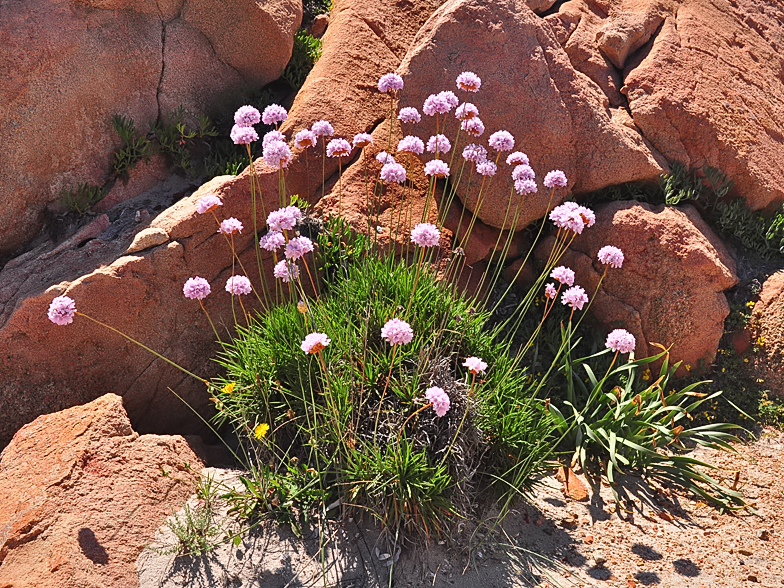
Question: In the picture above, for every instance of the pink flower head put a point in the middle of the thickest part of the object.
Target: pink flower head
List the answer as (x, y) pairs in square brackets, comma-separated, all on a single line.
[(362, 140), (550, 291), (435, 104), (230, 225), (564, 275), (465, 111), (298, 247), (284, 219), (611, 255), (588, 216), (523, 172), (411, 144), (273, 136), (272, 241), (390, 82), (621, 341), (439, 399), (475, 365), (474, 153), (449, 97), (393, 172), (196, 288), (243, 135), (305, 138), (438, 144), (523, 187), (315, 342), (501, 141), (62, 310), (338, 148), (575, 297), (473, 127), (238, 285), (517, 158), (246, 116), (274, 114), (396, 332), (437, 168), (555, 178), (425, 235), (486, 168), (383, 158), (285, 270), (322, 128), (469, 82), (409, 114), (277, 154), (208, 203), (567, 216)]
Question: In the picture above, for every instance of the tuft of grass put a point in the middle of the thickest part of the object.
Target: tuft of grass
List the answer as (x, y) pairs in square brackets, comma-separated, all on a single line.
[(81, 198), (136, 147), (306, 51)]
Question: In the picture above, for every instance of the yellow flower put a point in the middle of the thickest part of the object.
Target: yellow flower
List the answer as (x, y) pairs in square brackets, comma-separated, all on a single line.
[(261, 430), (723, 370), (761, 341), (746, 360), (688, 367), (646, 375), (750, 304), (228, 388)]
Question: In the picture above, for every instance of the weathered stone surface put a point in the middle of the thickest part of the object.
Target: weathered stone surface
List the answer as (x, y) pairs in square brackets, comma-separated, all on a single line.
[(670, 288), (708, 86), (68, 67), (571, 127), (82, 495), (769, 324)]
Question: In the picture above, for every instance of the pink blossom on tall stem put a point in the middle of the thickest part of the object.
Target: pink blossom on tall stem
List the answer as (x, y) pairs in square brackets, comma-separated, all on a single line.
[(338, 148), (243, 135), (501, 141), (425, 235), (196, 288), (62, 310), (247, 116), (438, 144), (362, 140), (474, 153), (468, 81), (305, 138), (274, 114), (437, 168), (523, 172), (397, 332), (572, 216), (393, 173), (298, 247), (564, 275), (284, 219), (435, 104), (409, 114), (486, 168), (465, 111), (277, 154), (439, 399), (411, 144), (315, 342), (550, 291), (517, 158), (273, 136), (475, 365), (390, 82), (272, 241), (285, 270), (322, 128), (611, 256), (473, 127), (523, 187), (575, 297), (383, 158), (621, 341), (238, 285), (555, 178), (208, 203), (449, 97), (230, 225)]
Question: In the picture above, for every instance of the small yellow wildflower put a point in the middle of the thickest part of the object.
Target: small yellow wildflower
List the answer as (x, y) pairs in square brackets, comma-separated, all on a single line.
[(723, 370), (261, 430), (761, 341), (646, 375), (746, 360), (688, 367), (750, 304), (228, 388)]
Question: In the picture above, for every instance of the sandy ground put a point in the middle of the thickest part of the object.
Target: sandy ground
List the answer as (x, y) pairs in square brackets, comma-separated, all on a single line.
[(668, 540)]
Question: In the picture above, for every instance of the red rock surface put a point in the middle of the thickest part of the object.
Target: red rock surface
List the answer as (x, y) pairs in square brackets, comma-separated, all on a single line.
[(670, 288), (522, 64), (769, 325), (82, 494)]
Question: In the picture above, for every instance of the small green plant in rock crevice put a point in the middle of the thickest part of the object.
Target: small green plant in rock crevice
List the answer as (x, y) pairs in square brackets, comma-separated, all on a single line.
[(136, 147), (306, 51), (177, 139), (81, 198)]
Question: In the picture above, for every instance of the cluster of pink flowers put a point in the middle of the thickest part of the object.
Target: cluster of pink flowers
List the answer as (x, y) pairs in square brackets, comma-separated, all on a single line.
[(284, 219), (523, 187), (390, 82), (473, 127), (563, 274), (362, 140), (425, 235), (238, 285), (550, 291), (573, 217), (611, 256), (475, 365), (438, 144), (411, 144), (397, 332), (305, 138), (208, 203), (517, 158), (523, 172), (243, 135), (486, 168), (277, 154), (383, 158), (439, 399), (272, 241), (393, 173), (230, 225), (62, 310), (246, 116), (298, 247), (322, 128), (409, 114), (196, 288), (474, 153), (338, 148), (555, 178), (437, 168), (575, 297), (465, 111), (468, 81), (273, 136), (501, 141), (274, 114), (621, 341), (315, 342), (285, 270)]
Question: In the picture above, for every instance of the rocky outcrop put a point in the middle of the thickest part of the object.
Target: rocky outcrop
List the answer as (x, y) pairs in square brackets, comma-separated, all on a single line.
[(68, 67), (670, 288), (571, 127), (82, 495), (769, 333)]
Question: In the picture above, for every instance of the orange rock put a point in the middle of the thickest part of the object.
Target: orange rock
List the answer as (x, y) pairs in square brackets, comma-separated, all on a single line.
[(769, 321), (573, 486), (82, 495)]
